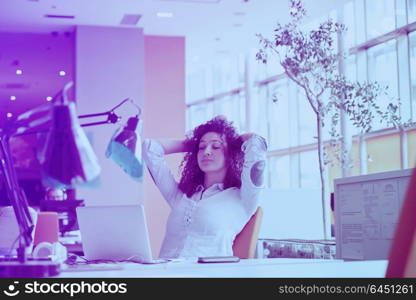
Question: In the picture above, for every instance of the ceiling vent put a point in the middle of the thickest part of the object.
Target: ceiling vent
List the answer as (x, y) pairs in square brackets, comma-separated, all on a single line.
[(15, 86), (129, 19), (60, 16)]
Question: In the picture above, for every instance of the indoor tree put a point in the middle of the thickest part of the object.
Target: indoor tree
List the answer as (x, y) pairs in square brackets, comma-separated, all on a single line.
[(310, 59)]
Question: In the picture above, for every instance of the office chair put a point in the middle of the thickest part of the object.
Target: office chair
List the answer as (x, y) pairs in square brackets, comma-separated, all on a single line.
[(245, 242)]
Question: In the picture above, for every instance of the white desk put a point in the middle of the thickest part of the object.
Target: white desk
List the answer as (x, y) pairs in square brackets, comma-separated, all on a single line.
[(271, 267)]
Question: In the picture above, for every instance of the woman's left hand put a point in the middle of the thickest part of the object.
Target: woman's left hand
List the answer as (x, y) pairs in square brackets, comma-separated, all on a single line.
[(244, 137)]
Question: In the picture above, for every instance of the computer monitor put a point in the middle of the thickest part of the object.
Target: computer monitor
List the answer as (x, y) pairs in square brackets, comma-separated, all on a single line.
[(367, 211)]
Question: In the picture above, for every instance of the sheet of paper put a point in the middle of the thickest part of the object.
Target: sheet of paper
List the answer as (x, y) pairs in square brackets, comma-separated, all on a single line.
[(351, 222)]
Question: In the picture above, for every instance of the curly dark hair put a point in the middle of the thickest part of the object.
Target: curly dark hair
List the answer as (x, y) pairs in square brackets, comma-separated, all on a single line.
[(192, 175)]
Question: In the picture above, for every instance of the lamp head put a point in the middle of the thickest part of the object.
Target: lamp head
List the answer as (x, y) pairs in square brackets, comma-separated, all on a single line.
[(125, 148), (68, 159)]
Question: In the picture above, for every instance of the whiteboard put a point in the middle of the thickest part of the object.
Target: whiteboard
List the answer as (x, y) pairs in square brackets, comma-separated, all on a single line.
[(367, 210)]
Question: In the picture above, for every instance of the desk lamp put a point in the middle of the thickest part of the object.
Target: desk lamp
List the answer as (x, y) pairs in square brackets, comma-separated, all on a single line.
[(68, 160), (125, 148)]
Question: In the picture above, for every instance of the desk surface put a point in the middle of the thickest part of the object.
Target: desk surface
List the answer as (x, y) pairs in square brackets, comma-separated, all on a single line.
[(247, 268)]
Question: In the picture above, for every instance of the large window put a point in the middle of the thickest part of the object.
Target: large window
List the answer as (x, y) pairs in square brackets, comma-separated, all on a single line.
[(309, 170), (411, 11), (350, 68), (258, 110), (350, 23), (232, 107), (198, 114), (225, 74), (382, 67), (412, 148), (380, 17), (412, 38), (279, 115), (279, 167), (289, 124), (196, 85), (307, 120), (383, 154)]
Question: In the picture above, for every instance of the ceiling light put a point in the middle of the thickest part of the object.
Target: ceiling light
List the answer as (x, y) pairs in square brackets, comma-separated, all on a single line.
[(62, 73), (19, 72), (9, 115), (164, 15), (12, 98), (49, 98)]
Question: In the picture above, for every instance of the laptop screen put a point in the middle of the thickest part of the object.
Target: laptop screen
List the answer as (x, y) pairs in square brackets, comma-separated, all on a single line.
[(114, 232)]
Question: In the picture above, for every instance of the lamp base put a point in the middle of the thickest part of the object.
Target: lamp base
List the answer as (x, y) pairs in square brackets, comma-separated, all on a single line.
[(29, 269)]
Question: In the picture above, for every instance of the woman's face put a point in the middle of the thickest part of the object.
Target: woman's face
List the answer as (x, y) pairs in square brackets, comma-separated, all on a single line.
[(211, 152)]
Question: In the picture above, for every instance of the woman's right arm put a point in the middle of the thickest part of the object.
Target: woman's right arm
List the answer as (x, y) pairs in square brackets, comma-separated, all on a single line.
[(153, 155), (171, 146)]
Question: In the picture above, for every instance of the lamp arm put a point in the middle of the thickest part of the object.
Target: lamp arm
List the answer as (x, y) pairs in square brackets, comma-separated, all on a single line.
[(111, 118), (17, 198), (30, 122), (132, 102)]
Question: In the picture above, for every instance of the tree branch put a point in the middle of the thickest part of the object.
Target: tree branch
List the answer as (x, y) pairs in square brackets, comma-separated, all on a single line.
[(306, 89)]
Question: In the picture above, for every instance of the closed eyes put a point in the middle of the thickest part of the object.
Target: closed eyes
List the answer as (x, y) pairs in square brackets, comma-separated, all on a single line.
[(215, 145)]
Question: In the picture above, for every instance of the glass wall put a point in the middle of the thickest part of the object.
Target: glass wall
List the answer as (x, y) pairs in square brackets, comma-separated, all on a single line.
[(380, 17), (258, 110), (289, 123), (279, 176), (198, 114), (350, 23), (411, 11), (309, 169), (307, 120), (382, 67), (232, 107), (279, 115), (383, 154)]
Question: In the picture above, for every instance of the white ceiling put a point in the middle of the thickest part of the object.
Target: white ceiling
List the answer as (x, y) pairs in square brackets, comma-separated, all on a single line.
[(210, 26), (213, 28)]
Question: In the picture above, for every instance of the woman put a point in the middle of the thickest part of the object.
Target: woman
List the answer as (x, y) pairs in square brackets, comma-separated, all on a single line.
[(222, 175)]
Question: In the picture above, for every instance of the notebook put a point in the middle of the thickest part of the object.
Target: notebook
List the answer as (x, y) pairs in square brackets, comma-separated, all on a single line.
[(116, 233)]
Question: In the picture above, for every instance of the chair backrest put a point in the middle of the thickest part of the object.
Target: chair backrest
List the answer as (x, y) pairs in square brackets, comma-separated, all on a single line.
[(245, 242)]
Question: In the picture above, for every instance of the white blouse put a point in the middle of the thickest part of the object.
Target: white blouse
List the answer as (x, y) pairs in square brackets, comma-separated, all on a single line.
[(207, 223)]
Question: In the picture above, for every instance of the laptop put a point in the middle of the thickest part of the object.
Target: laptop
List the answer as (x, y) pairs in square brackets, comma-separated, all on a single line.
[(116, 233)]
